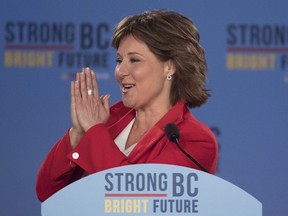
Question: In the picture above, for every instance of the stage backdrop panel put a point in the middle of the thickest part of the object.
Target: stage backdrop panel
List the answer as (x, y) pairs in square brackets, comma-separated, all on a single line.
[(44, 43)]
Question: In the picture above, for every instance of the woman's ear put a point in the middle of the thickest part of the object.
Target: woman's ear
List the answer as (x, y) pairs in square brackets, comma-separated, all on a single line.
[(169, 68)]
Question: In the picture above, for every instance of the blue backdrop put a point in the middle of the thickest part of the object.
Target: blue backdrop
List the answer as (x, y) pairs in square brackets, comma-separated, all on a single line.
[(43, 44)]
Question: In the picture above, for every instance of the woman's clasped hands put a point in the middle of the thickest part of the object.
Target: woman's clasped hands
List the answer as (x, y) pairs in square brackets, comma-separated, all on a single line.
[(87, 107)]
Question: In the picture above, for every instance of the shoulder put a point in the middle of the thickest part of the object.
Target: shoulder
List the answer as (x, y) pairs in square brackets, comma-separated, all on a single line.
[(193, 129)]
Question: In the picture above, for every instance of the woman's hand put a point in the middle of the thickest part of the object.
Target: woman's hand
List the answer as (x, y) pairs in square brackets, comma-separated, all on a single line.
[(87, 108)]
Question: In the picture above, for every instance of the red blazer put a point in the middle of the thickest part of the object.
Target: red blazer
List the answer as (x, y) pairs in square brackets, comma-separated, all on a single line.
[(97, 151)]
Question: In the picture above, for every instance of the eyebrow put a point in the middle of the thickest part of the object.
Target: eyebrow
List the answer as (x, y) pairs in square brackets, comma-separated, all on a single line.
[(132, 53)]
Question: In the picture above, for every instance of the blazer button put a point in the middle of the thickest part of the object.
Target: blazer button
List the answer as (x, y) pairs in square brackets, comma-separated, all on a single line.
[(75, 155)]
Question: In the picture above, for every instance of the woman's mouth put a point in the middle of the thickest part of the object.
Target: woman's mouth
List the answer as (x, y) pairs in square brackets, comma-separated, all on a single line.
[(126, 87)]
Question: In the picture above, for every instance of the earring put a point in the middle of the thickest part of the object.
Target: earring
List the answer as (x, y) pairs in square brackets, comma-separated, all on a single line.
[(169, 77)]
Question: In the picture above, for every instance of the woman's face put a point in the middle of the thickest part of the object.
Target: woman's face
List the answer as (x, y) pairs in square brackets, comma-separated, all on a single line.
[(141, 76)]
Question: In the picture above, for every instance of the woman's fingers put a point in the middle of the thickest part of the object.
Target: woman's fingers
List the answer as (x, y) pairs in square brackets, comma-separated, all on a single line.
[(72, 95), (83, 85), (88, 78), (105, 102), (88, 84), (76, 131), (94, 84), (90, 109)]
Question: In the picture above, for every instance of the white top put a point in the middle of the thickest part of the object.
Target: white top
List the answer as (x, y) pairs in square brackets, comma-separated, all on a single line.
[(121, 139)]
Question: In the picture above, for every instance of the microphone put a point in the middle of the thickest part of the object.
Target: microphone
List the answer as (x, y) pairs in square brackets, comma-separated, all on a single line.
[(173, 134)]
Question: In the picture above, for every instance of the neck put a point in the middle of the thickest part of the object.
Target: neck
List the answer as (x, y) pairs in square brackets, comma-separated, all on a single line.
[(147, 118)]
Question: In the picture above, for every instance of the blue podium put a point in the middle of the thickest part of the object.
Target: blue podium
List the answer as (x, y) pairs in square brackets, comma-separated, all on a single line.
[(151, 189)]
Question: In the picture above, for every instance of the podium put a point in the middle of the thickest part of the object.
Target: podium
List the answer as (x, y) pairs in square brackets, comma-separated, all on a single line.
[(151, 189)]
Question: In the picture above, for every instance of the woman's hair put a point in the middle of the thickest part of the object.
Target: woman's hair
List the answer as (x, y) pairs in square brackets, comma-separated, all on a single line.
[(171, 36)]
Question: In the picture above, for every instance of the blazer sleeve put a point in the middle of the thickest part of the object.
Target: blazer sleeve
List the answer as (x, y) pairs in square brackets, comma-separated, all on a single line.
[(97, 151), (56, 171)]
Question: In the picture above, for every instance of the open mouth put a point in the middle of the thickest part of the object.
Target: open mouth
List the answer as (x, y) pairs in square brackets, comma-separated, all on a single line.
[(126, 87)]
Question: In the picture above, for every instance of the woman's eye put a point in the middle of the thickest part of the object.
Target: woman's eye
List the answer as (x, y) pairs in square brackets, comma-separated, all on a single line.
[(134, 60), (118, 61)]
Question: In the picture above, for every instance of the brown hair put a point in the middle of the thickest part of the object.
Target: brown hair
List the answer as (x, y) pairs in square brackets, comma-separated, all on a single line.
[(171, 36)]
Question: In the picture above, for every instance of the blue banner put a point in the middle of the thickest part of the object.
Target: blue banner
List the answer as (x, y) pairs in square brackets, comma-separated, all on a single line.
[(44, 43)]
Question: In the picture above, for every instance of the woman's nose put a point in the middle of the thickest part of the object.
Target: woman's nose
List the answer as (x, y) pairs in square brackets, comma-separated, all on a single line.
[(122, 69)]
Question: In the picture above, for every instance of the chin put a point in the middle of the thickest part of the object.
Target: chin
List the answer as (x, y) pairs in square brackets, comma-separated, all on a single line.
[(127, 104)]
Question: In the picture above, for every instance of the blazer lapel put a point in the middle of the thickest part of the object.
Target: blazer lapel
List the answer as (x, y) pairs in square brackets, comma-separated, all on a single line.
[(120, 117)]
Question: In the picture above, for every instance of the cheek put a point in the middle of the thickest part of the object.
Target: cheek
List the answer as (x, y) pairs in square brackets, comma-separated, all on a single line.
[(116, 73)]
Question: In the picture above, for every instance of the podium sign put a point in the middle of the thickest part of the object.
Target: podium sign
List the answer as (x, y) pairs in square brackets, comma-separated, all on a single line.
[(151, 189)]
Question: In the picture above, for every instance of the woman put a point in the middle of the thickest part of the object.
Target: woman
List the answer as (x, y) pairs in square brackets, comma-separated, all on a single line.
[(161, 70)]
